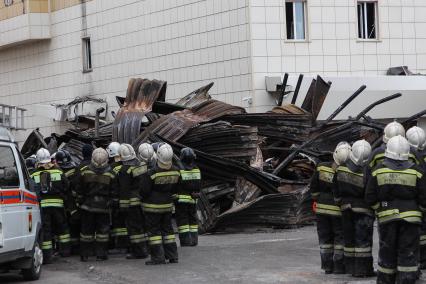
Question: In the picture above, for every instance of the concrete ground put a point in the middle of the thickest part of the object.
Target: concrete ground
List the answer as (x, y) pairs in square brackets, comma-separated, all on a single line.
[(289, 256)]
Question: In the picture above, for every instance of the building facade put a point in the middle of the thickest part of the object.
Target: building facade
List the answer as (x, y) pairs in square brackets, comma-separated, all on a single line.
[(52, 51)]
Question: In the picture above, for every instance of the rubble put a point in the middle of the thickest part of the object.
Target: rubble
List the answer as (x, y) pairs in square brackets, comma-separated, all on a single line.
[(256, 167)]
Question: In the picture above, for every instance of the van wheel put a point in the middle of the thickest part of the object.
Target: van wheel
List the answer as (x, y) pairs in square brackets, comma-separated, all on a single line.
[(33, 273)]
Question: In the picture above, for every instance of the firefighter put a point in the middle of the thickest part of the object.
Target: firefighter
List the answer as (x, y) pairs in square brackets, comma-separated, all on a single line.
[(119, 236), (96, 188), (52, 186), (65, 163), (358, 218), (130, 178), (416, 138), (396, 190), (146, 154), (158, 190), (329, 216), (188, 191), (30, 162)]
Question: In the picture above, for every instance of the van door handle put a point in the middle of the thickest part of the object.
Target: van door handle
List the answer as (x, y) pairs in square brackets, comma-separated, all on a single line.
[(29, 208)]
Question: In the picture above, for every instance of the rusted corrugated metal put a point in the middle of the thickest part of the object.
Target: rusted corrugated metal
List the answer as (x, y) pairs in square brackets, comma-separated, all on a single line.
[(196, 97), (140, 98)]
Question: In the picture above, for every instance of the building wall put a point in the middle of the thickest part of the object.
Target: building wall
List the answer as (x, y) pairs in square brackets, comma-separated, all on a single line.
[(332, 48), (188, 43)]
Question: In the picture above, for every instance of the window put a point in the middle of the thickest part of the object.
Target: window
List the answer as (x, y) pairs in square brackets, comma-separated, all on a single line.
[(8, 172), (295, 13), (87, 55), (367, 19)]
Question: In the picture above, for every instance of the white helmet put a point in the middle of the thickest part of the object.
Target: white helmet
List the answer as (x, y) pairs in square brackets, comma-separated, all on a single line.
[(416, 137), (341, 153), (112, 149), (126, 152), (146, 152), (360, 152), (393, 129), (397, 148), (99, 158), (43, 156), (165, 156)]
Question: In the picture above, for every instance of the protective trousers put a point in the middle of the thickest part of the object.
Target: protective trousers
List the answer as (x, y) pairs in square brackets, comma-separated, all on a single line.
[(55, 223), (161, 236), (398, 252), (358, 239), (94, 231), (119, 235), (135, 224), (75, 225), (330, 235), (187, 222), (423, 243)]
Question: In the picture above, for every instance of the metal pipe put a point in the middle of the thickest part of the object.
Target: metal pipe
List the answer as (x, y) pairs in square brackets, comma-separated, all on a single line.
[(98, 112), (345, 104), (296, 91), (280, 99), (379, 102)]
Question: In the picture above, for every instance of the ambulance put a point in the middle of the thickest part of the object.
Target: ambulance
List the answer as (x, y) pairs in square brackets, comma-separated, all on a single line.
[(20, 221)]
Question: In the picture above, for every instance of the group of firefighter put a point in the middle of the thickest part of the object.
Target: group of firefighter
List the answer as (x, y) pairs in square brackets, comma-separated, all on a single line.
[(363, 184), (117, 199)]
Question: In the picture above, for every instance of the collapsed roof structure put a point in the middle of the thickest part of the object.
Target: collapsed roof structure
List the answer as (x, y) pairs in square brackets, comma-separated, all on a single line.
[(256, 167)]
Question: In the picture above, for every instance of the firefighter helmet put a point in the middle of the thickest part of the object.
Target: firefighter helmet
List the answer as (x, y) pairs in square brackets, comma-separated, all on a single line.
[(145, 152), (63, 158), (99, 158), (187, 156), (416, 137), (30, 162), (87, 151), (360, 152), (43, 156), (393, 129), (165, 156), (341, 153), (157, 145), (397, 148), (127, 153), (112, 149)]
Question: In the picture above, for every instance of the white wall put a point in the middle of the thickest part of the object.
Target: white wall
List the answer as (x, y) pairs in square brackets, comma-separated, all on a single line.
[(332, 48), (188, 43)]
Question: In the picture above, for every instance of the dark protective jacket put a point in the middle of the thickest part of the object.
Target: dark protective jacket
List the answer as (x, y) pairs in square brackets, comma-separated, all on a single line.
[(322, 189), (190, 183), (397, 191), (130, 180), (70, 201), (159, 188), (378, 155), (96, 188), (51, 185), (349, 188)]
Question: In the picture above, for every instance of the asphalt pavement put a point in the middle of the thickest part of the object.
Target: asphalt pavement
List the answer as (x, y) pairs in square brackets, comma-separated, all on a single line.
[(287, 256)]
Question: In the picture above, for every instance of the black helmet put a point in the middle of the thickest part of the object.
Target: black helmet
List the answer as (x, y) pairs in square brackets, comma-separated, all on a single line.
[(87, 151), (157, 145), (63, 158), (30, 162), (187, 156)]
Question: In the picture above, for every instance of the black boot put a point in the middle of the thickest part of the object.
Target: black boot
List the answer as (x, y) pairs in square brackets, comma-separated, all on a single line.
[(185, 239), (101, 258), (84, 258), (194, 239), (157, 255)]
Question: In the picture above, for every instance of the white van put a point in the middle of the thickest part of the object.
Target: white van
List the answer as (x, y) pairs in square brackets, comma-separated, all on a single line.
[(20, 221)]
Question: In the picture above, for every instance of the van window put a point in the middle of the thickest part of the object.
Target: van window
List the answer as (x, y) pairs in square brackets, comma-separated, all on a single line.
[(8, 172)]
